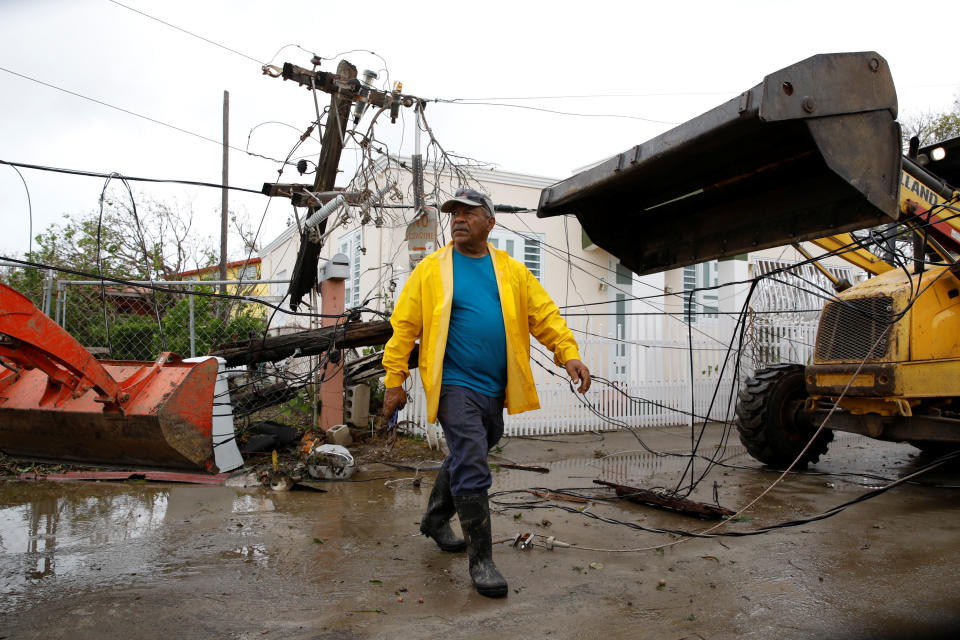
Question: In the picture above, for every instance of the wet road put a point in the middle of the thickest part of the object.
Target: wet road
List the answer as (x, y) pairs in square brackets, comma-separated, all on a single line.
[(137, 560)]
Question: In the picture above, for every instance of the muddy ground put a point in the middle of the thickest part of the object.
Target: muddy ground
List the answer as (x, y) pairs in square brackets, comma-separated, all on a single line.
[(143, 560)]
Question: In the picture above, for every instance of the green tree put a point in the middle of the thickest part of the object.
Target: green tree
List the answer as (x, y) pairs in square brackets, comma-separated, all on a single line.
[(155, 242), (209, 329), (932, 127)]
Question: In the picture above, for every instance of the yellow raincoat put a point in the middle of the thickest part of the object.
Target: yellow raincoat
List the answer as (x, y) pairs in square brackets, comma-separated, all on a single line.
[(423, 311)]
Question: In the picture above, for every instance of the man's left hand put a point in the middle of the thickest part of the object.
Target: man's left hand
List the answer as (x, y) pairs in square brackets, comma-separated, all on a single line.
[(579, 373)]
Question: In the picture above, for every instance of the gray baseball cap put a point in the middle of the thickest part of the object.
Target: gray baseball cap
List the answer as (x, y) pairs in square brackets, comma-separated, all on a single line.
[(471, 198)]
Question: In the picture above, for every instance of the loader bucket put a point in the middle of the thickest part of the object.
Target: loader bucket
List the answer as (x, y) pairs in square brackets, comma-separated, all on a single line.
[(812, 150), (58, 403)]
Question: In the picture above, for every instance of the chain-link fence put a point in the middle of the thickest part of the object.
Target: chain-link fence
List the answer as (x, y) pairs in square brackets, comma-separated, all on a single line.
[(139, 320)]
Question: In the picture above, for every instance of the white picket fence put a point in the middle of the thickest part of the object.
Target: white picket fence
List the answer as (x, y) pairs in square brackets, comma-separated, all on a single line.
[(649, 370)]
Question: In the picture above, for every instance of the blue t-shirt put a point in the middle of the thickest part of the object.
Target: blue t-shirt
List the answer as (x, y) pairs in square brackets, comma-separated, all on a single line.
[(476, 354)]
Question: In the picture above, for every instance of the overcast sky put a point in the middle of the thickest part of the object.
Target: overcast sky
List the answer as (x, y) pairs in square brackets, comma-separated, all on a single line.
[(662, 62)]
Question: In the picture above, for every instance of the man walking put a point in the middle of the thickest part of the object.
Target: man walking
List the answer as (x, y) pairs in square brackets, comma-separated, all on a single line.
[(473, 308)]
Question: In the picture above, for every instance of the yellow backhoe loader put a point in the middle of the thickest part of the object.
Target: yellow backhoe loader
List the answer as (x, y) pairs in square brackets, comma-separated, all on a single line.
[(811, 153)]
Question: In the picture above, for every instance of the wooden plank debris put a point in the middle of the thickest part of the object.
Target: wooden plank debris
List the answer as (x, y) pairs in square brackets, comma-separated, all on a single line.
[(522, 467)]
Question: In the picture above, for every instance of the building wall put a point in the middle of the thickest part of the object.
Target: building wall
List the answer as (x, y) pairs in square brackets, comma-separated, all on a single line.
[(233, 273)]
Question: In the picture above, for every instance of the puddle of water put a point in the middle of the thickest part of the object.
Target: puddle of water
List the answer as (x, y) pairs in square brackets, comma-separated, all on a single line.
[(60, 531), (252, 503), (226, 552), (637, 466), (250, 553)]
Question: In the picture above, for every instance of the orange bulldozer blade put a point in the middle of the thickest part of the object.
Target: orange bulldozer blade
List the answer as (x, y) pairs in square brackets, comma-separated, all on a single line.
[(58, 403)]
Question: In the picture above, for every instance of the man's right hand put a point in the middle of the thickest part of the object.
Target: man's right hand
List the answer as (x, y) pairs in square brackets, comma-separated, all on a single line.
[(394, 398)]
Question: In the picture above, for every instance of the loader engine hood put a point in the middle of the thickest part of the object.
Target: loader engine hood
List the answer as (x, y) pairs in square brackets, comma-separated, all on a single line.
[(812, 150)]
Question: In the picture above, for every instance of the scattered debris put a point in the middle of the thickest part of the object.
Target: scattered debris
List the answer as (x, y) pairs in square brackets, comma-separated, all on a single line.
[(244, 479), (329, 462), (269, 436), (506, 463), (276, 480), (153, 476), (550, 542), (524, 541), (550, 495), (339, 434), (523, 467), (396, 483), (433, 466), (670, 503), (279, 481)]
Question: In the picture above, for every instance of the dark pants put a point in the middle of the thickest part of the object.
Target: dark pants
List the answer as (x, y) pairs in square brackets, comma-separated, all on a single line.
[(472, 424)]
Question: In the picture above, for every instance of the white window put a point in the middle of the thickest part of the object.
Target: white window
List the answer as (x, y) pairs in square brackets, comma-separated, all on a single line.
[(702, 304), (525, 248), (249, 272), (624, 280), (350, 247)]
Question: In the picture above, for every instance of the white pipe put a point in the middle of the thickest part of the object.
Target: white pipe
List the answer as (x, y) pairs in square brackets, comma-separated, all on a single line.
[(324, 212)]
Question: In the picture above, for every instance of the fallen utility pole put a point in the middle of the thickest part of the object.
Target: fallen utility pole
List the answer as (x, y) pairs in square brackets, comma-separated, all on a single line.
[(670, 503), (304, 343)]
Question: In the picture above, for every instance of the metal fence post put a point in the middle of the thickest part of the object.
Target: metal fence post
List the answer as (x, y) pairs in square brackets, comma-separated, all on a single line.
[(193, 334), (47, 292), (56, 301)]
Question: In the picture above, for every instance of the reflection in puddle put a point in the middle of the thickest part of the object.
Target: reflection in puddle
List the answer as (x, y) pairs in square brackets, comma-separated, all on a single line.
[(252, 503), (47, 522), (253, 553), (54, 530), (629, 467)]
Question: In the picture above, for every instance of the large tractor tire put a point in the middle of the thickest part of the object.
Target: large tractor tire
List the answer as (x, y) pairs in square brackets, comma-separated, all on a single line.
[(771, 421)]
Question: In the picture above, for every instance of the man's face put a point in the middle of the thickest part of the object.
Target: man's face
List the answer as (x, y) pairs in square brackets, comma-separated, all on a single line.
[(470, 226)]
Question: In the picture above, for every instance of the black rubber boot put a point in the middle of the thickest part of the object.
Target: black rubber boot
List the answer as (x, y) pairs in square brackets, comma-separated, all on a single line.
[(440, 508), (474, 512)]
